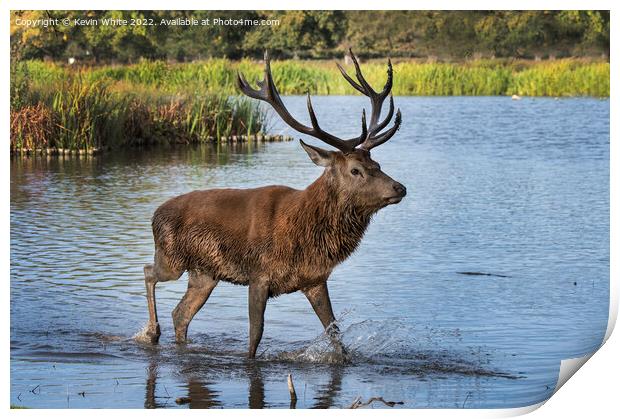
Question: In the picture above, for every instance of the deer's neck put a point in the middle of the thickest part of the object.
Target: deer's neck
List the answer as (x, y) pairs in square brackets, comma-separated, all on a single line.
[(331, 225)]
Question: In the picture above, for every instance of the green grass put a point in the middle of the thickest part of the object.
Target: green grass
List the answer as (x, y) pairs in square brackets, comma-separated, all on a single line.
[(152, 101), (53, 107), (565, 77)]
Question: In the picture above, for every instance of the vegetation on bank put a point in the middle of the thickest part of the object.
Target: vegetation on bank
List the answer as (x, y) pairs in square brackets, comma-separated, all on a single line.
[(565, 77), (55, 109), (85, 108)]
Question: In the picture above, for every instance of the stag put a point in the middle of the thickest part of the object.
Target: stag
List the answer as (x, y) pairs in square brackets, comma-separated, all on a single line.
[(275, 239)]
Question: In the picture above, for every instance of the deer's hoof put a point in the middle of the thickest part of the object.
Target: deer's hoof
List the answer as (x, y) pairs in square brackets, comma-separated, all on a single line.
[(153, 333)]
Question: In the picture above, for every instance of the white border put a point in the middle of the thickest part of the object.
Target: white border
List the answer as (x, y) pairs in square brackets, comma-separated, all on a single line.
[(590, 393)]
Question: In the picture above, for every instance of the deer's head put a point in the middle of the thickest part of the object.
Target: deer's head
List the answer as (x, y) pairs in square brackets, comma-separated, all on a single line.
[(356, 176)]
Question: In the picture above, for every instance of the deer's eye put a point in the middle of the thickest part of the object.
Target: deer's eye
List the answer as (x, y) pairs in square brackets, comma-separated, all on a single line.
[(355, 172)]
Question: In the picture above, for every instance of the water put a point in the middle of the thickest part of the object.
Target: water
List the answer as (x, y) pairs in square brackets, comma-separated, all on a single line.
[(515, 189)]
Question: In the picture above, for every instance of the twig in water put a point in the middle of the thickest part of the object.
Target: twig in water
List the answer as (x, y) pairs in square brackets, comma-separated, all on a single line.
[(465, 401), (358, 402), (291, 391), (291, 387), (19, 397)]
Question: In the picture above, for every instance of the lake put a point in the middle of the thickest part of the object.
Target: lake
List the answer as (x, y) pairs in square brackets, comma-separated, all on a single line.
[(515, 190)]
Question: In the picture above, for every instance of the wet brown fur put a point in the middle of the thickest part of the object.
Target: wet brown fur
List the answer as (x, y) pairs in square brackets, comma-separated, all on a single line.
[(275, 239), (291, 238)]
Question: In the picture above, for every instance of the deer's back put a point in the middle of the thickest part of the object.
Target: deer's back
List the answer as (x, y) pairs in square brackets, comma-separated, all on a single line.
[(226, 232)]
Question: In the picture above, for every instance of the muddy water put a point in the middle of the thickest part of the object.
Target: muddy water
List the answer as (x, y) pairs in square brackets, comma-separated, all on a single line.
[(514, 189)]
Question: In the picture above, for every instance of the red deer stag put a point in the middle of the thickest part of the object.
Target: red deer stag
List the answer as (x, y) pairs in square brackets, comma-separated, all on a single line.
[(275, 239)]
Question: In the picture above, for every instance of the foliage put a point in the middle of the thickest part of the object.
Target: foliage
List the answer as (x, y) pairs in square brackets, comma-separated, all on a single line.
[(566, 77), (31, 127), (299, 34), (314, 34), (82, 110)]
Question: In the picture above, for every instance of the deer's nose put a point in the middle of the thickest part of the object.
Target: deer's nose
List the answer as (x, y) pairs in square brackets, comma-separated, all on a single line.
[(400, 189)]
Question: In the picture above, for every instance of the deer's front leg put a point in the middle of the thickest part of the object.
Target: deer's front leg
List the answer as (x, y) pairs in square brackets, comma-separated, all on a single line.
[(322, 305), (257, 301)]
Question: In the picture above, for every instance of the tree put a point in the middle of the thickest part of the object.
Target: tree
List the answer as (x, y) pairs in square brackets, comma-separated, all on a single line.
[(314, 34), (299, 34)]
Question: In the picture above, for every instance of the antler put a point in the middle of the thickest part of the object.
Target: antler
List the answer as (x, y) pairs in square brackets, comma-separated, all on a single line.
[(373, 138), (369, 137), (269, 93)]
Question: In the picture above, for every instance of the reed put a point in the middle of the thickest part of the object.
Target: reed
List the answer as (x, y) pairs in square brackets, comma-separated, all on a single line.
[(565, 77), (152, 101), (84, 112), (32, 127), (562, 78)]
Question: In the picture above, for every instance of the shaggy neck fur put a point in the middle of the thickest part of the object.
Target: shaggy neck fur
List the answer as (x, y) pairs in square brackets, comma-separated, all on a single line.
[(328, 223)]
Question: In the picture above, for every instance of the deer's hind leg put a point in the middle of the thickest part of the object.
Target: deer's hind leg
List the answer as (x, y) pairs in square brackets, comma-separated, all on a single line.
[(161, 271), (199, 288)]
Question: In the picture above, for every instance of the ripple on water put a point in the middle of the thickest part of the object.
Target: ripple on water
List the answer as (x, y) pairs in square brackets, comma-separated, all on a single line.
[(515, 189)]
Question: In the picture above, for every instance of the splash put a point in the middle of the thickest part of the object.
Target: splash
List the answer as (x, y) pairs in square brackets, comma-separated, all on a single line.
[(141, 336), (361, 341), (395, 348), (371, 338)]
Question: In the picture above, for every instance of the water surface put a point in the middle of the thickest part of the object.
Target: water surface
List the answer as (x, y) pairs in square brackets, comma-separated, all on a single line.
[(515, 189)]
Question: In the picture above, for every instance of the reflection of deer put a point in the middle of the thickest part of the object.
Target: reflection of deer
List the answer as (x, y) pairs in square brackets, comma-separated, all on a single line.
[(200, 396), (275, 239), (327, 393)]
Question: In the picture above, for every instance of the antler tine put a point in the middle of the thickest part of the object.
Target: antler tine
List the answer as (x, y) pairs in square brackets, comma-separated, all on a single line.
[(364, 134), (373, 137), (369, 91), (378, 127), (350, 80), (269, 93), (372, 142), (376, 98)]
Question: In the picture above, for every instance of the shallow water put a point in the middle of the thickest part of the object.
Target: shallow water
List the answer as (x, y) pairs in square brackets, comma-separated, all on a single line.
[(515, 189)]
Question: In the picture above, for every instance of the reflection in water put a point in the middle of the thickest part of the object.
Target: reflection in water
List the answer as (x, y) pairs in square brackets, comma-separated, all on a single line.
[(150, 401), (520, 190), (200, 396), (40, 167), (329, 392), (256, 396)]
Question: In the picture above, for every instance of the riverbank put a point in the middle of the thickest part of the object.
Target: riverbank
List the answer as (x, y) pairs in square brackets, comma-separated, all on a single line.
[(57, 107), (56, 110)]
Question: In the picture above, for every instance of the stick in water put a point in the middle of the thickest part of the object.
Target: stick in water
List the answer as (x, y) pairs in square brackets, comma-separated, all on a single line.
[(358, 402), (291, 391), (291, 388)]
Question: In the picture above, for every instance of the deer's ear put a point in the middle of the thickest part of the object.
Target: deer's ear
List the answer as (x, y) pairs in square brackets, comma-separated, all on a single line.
[(318, 156)]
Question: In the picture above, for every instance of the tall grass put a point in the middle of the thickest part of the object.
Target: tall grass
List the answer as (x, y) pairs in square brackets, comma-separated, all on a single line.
[(88, 115), (566, 77), (79, 111), (153, 101)]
